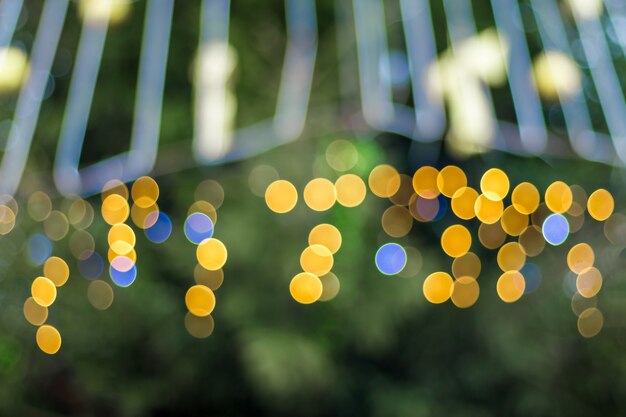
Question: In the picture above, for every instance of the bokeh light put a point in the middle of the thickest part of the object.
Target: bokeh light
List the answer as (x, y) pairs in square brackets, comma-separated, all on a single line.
[(511, 286), (100, 295), (306, 288), (467, 265), (600, 205), (203, 207), (145, 192), (492, 236), (92, 266), (81, 244), (281, 196), (384, 181), (34, 313), (390, 259), (211, 254), (43, 291), (590, 322), (437, 287), (39, 248), (463, 203), (316, 259), (350, 190), (465, 292), (261, 176), (511, 257), (494, 184), (161, 230), (558, 197), (532, 277), (326, 235), (555, 229), (341, 155), (211, 279), (451, 179), (487, 210), (115, 209), (532, 241), (589, 282), (330, 286), (123, 278), (39, 206), (56, 270), (319, 194), (198, 227), (199, 327), (210, 191), (48, 339), (513, 222), (80, 214), (200, 300), (456, 240), (425, 181), (580, 257), (525, 198), (402, 197), (144, 217), (397, 221), (55, 226)]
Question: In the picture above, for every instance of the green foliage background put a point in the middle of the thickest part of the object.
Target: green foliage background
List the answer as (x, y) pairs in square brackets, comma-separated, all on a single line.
[(378, 349)]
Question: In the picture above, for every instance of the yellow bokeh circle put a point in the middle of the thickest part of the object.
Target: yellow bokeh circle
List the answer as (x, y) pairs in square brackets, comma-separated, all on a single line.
[(319, 194), (580, 257), (488, 211), (34, 313), (326, 235), (513, 222), (115, 209), (397, 221), (590, 322), (511, 286), (211, 279), (211, 254), (48, 339), (558, 197), (600, 205), (384, 181), (43, 291), (532, 241), (56, 270), (306, 288), (350, 190), (316, 259), (200, 300), (468, 265), (100, 295), (491, 236), (145, 192), (425, 182), (511, 257), (525, 198), (437, 287), (451, 179), (494, 184), (456, 240), (589, 282), (465, 292), (281, 196), (463, 202)]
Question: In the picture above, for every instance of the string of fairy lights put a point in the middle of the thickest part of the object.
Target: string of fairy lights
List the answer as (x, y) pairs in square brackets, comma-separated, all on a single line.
[(424, 197), (516, 221)]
